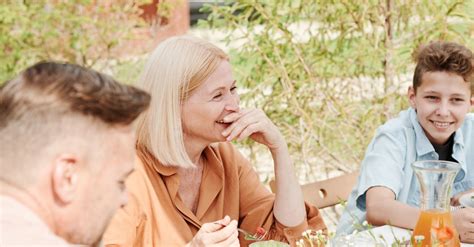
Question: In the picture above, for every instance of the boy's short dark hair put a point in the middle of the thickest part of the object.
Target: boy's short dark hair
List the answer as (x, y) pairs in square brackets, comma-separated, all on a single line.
[(446, 57)]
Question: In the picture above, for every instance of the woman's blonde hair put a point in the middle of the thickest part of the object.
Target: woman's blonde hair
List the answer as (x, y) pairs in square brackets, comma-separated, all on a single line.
[(176, 67)]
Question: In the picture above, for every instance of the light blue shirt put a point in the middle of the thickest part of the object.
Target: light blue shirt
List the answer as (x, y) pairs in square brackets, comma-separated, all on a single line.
[(388, 159)]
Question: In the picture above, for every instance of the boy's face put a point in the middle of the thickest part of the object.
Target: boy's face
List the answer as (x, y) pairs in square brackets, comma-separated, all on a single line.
[(441, 102)]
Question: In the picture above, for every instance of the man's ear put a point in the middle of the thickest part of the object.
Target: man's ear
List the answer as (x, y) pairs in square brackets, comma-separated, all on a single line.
[(65, 178), (411, 97)]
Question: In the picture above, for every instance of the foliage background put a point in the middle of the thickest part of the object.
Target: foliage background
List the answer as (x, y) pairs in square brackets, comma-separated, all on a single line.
[(85, 32), (329, 72)]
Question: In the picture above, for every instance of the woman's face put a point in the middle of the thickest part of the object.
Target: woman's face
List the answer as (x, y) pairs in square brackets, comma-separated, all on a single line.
[(203, 112)]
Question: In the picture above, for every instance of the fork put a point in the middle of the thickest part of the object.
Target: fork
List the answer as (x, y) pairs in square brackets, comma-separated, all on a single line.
[(249, 236)]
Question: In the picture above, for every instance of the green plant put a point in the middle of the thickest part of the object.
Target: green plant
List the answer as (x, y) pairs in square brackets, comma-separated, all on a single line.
[(80, 31), (329, 72)]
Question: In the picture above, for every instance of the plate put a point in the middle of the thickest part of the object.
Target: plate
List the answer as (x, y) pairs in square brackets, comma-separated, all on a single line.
[(467, 200)]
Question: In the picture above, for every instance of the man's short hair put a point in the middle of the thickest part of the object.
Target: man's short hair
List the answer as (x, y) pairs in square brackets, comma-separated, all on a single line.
[(45, 103), (442, 56)]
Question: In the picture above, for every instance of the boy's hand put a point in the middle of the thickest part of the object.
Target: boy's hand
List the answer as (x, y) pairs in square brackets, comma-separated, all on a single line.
[(464, 223), (455, 198)]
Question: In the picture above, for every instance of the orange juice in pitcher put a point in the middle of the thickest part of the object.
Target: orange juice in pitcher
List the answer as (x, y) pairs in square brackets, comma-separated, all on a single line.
[(435, 224), (438, 227)]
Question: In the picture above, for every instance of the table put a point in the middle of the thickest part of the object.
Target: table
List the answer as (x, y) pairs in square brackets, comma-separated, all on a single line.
[(390, 232)]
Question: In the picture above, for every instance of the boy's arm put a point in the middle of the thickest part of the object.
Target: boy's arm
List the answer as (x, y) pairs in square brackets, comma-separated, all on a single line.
[(455, 198), (464, 222), (383, 209), (463, 219)]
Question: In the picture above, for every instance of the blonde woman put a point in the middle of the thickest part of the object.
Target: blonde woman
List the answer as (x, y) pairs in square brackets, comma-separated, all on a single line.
[(191, 186)]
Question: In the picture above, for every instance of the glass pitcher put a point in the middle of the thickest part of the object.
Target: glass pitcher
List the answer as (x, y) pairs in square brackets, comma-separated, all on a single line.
[(435, 225)]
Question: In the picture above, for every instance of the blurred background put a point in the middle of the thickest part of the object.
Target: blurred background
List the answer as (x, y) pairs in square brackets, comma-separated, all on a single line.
[(328, 73)]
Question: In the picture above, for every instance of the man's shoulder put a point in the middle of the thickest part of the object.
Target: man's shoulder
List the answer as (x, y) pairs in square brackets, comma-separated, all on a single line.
[(21, 227)]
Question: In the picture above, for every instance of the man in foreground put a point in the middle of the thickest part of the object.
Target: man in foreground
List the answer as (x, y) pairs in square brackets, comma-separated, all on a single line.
[(67, 146)]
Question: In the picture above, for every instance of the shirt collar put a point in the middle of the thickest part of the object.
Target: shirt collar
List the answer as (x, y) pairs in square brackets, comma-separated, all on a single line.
[(19, 215), (212, 180), (214, 160), (423, 145)]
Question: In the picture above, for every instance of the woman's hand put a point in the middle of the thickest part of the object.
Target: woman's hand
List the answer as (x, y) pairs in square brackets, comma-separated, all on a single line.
[(464, 223), (289, 208), (218, 233), (255, 124)]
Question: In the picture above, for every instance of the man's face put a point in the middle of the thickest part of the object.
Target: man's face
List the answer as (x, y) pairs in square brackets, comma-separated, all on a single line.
[(441, 102), (103, 183)]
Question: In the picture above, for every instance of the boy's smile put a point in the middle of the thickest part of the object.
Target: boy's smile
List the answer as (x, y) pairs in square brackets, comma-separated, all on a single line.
[(441, 101)]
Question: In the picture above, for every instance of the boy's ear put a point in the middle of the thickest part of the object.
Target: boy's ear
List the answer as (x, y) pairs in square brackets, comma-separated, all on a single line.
[(411, 97), (65, 178)]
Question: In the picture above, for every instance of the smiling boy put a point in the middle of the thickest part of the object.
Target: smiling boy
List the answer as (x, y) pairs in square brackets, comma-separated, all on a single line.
[(437, 126)]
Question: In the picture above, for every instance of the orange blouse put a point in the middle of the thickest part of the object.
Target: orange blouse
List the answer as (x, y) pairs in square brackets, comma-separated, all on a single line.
[(156, 216)]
